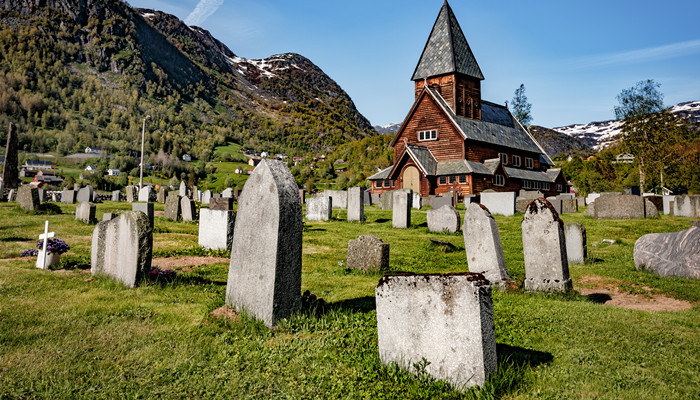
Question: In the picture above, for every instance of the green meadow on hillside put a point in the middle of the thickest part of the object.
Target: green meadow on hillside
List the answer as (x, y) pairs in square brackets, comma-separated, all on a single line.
[(66, 334)]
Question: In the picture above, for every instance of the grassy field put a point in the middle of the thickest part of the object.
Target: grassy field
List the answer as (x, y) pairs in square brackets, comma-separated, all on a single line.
[(65, 334)]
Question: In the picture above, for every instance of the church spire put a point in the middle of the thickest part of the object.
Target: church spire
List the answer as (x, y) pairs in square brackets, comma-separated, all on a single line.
[(447, 50)]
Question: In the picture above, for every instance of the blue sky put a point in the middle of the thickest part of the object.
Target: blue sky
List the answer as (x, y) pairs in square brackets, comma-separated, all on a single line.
[(573, 57)]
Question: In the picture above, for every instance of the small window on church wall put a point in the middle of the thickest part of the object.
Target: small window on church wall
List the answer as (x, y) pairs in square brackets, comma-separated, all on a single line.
[(528, 162), (526, 184), (378, 184), (504, 158), (462, 179), (387, 183), (427, 135), (559, 187), (499, 180), (443, 180), (516, 161), (453, 179)]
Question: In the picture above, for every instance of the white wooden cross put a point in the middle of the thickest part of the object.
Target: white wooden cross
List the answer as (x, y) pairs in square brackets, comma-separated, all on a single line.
[(41, 260)]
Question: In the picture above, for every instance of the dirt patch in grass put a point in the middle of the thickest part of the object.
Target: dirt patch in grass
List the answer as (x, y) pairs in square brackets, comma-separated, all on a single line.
[(185, 263), (225, 312), (158, 213), (612, 292)]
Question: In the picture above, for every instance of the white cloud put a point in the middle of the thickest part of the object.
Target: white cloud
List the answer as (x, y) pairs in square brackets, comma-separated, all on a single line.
[(204, 10), (640, 56)]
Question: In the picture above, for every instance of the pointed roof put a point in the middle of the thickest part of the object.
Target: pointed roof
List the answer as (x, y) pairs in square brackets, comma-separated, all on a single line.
[(447, 50)]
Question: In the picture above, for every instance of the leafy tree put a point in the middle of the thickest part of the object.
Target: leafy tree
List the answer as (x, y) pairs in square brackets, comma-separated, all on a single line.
[(641, 99), (521, 107)]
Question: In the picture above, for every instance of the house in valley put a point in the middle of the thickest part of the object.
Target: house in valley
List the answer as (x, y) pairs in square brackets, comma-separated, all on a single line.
[(452, 140)]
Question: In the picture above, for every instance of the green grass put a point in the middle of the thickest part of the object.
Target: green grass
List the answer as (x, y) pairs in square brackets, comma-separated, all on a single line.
[(65, 334)]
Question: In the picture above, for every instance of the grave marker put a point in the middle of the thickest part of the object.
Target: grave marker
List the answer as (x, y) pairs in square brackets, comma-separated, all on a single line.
[(482, 244), (42, 256)]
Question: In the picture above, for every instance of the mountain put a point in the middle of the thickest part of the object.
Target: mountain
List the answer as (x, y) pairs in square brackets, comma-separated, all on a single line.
[(390, 128), (601, 134), (78, 73), (555, 143)]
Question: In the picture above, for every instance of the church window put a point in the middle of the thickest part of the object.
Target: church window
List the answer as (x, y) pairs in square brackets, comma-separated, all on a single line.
[(499, 180), (462, 179), (516, 161), (528, 162), (427, 135), (443, 180), (504, 158)]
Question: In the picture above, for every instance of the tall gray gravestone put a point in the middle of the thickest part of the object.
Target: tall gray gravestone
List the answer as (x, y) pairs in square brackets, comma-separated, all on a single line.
[(482, 243), (356, 205), (502, 203), (172, 207), (216, 228), (544, 249), (146, 208), (10, 170), (187, 209), (116, 195), (368, 253), (265, 271), (686, 206), (85, 194), (401, 210), (575, 234), (444, 219), (228, 193), (445, 319), (122, 248), (319, 208), (206, 196), (145, 194), (183, 189), (85, 212), (160, 196), (131, 193), (28, 198), (68, 196)]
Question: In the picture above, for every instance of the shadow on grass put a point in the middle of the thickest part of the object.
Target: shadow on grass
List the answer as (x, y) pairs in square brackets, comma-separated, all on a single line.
[(521, 356), (15, 239), (599, 298), (360, 304), (315, 230), (382, 220), (190, 280)]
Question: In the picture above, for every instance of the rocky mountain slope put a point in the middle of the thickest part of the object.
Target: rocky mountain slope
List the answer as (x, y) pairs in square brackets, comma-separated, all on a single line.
[(116, 64)]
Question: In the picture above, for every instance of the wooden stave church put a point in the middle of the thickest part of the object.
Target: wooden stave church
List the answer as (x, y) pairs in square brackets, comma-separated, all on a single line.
[(452, 140)]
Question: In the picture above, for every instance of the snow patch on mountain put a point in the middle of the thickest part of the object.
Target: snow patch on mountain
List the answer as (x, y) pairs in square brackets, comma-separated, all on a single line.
[(269, 67)]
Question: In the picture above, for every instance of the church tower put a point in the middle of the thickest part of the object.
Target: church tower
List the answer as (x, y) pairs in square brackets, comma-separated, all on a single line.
[(448, 65)]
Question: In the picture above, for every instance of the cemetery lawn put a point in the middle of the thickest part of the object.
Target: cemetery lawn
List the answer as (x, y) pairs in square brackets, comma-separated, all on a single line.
[(66, 334)]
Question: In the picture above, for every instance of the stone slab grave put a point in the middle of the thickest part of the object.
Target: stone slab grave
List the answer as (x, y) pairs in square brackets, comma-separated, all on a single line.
[(569, 206), (122, 248), (367, 197), (576, 243), (443, 219), (206, 197), (581, 202), (11, 195), (85, 212), (340, 198), (668, 204), (302, 196), (116, 195), (376, 199), (446, 319), (183, 189), (216, 228), (145, 194), (319, 208), (555, 202), (264, 276), (401, 210), (368, 253), (146, 208), (160, 196), (544, 249), (28, 198), (68, 196), (386, 200), (417, 201), (131, 193), (686, 206), (187, 209), (438, 202), (619, 206), (500, 203), (42, 195), (222, 204), (356, 205), (85, 194), (482, 244), (670, 254), (172, 207), (650, 209), (228, 193)]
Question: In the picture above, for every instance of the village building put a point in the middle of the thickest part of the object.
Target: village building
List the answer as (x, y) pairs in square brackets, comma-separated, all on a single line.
[(452, 140)]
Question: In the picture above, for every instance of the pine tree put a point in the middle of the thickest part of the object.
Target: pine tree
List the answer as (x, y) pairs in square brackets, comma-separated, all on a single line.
[(521, 107)]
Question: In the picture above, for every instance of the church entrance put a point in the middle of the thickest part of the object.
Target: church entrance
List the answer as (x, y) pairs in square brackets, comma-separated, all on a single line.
[(411, 179)]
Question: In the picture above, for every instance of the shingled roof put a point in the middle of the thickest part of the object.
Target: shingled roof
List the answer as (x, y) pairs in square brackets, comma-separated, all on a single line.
[(447, 50)]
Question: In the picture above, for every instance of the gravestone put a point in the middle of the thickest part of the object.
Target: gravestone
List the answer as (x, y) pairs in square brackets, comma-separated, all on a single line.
[(228, 193), (122, 247), (468, 199), (592, 197), (356, 205), (68, 196), (76, 187), (302, 196), (376, 199), (85, 212), (367, 197), (265, 271), (657, 201), (501, 203), (576, 245), (206, 196), (443, 219), (183, 189), (387, 200), (172, 207), (160, 196), (544, 249), (650, 209), (199, 195), (216, 228), (11, 195), (569, 206), (617, 206), (215, 195), (416, 201), (368, 253), (146, 208), (42, 195), (555, 202), (439, 202), (108, 216), (145, 194), (401, 210), (580, 202), (10, 169), (670, 254), (187, 209), (668, 204), (28, 198), (482, 243), (686, 206), (340, 198), (222, 203), (116, 195), (85, 194), (44, 258), (319, 208), (131, 193), (530, 194), (446, 320)]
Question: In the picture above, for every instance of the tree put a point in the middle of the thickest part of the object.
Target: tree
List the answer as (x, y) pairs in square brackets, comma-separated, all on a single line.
[(521, 107), (641, 99)]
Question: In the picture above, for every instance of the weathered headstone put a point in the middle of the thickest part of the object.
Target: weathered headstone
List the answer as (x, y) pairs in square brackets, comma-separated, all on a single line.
[(356, 205), (555, 202), (468, 199), (68, 196), (670, 254), (368, 253), (145, 194), (131, 193), (172, 207), (340, 198), (544, 249), (443, 219), (122, 248), (85, 194), (116, 195), (187, 209), (28, 198), (650, 209), (76, 187), (617, 206), (446, 320), (416, 201), (580, 202), (10, 169), (576, 244), (42, 195), (482, 243), (668, 204), (386, 201), (183, 189), (85, 212), (439, 202), (376, 199), (222, 203), (319, 208), (108, 216), (146, 208), (206, 197), (367, 197), (216, 228), (199, 196), (265, 272), (228, 193), (686, 206), (401, 210), (160, 197), (502, 203), (569, 206)]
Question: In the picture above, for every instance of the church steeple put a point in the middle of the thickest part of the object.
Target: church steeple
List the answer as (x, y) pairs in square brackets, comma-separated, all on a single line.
[(448, 64)]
